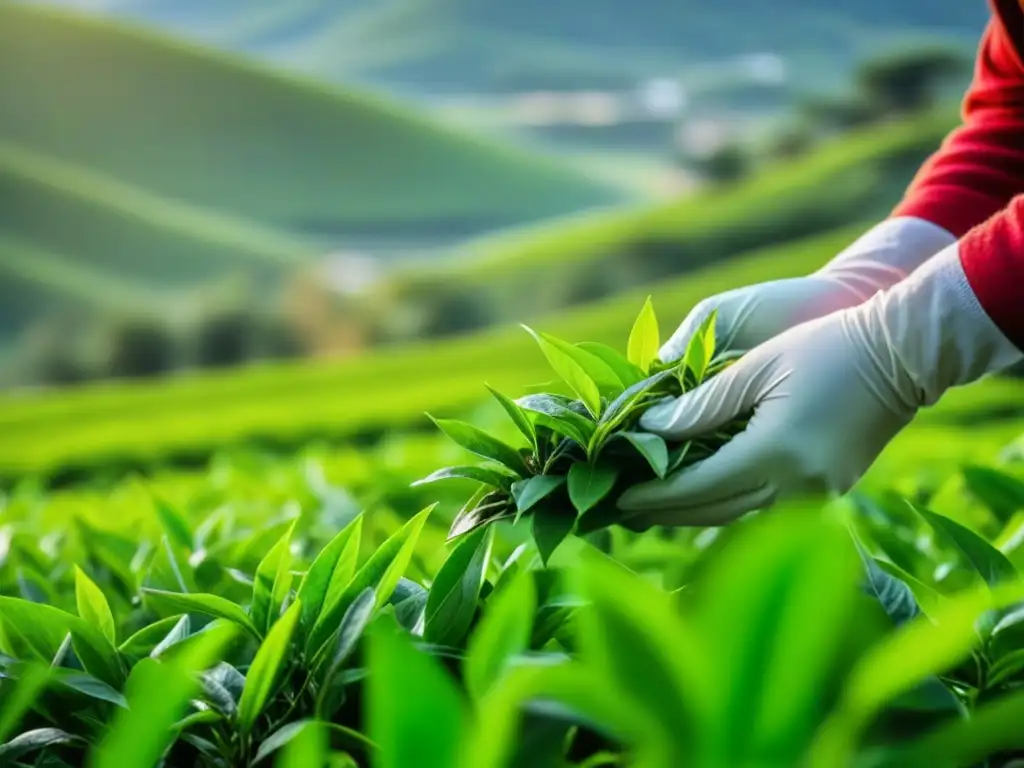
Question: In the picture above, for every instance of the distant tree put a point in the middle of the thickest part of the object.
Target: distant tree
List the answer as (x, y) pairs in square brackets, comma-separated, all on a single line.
[(792, 141), (223, 338), (836, 113), (426, 306), (51, 352), (727, 163), (910, 81), (137, 346)]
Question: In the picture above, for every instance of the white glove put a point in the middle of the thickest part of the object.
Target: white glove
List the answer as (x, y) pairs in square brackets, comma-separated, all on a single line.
[(878, 260), (826, 398)]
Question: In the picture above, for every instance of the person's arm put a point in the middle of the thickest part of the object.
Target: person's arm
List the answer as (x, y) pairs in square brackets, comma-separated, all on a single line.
[(976, 173), (827, 396), (980, 166), (992, 258)]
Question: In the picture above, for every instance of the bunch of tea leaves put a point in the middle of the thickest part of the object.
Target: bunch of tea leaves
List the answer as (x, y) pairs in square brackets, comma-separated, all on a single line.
[(582, 451)]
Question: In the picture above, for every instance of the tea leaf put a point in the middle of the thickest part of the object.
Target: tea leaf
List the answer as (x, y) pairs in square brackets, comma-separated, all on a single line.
[(1005, 667), (174, 524), (158, 694), (44, 629), (382, 572), (480, 510), (921, 648), (701, 348), (335, 565), (225, 684), (482, 444), (353, 624), (651, 447), (179, 633), (523, 424), (991, 564), (87, 685), (554, 413), (992, 728), (33, 741), (528, 492), (999, 492), (928, 599), (596, 369), (627, 373), (625, 404), (678, 456), (304, 743), (550, 527), (203, 604), (644, 339), (453, 596), (503, 633), (1007, 635), (93, 606), (271, 584), (422, 729), (266, 668), (758, 630), (571, 372), (633, 638), (23, 694), (589, 483), (149, 637), (480, 474)]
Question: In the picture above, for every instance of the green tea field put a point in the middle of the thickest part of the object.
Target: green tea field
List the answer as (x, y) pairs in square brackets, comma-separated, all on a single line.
[(376, 507)]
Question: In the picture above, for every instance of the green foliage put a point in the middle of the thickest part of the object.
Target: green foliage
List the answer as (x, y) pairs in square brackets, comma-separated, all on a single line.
[(574, 467), (754, 646)]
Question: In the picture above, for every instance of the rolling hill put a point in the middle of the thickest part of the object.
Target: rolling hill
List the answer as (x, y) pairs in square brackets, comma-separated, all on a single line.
[(482, 45), (139, 166), (217, 132), (534, 270)]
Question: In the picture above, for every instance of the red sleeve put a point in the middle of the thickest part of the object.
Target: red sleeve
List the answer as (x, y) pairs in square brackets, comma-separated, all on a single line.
[(980, 166), (992, 255), (979, 170)]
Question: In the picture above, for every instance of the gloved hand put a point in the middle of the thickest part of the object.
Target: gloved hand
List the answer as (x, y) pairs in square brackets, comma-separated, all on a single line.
[(878, 260), (826, 397)]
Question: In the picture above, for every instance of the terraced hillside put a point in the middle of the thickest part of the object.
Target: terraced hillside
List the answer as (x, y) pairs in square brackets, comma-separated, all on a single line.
[(133, 162)]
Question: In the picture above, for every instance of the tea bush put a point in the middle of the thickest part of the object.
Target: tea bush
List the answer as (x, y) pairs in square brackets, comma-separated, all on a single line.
[(261, 614)]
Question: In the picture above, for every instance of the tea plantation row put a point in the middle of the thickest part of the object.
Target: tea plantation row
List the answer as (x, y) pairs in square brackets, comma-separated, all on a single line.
[(305, 612)]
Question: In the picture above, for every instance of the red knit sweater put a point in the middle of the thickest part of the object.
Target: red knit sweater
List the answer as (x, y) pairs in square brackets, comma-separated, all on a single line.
[(974, 185)]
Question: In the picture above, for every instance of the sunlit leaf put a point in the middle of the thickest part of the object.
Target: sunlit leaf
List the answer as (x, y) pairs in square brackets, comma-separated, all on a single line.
[(991, 564), (93, 606), (627, 373), (266, 668), (158, 695), (382, 572), (571, 372), (503, 633), (453, 596), (202, 604), (335, 565), (174, 524), (414, 712), (523, 424), (479, 474), (486, 446), (271, 583), (644, 339)]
